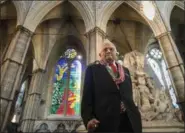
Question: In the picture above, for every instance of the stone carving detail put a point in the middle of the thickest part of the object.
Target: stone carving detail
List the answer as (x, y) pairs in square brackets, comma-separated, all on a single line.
[(153, 103), (62, 126), (43, 129)]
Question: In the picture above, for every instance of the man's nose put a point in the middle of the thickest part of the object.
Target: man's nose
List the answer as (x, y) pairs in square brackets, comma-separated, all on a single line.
[(108, 50)]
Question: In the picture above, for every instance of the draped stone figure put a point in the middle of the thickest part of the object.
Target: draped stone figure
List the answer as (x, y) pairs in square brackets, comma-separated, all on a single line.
[(153, 103)]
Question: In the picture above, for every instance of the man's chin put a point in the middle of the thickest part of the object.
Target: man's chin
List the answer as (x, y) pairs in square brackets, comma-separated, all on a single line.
[(109, 59)]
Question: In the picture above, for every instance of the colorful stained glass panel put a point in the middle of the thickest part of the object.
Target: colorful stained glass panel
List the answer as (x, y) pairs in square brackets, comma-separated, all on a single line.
[(59, 85), (73, 101)]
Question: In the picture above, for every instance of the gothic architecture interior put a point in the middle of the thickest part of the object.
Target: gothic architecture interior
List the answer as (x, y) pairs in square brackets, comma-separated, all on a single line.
[(47, 45)]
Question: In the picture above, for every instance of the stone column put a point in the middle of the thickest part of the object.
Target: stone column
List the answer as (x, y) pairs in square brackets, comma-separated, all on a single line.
[(95, 38), (11, 69), (30, 113), (175, 65)]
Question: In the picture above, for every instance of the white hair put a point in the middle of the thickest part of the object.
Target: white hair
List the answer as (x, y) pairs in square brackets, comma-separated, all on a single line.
[(106, 41)]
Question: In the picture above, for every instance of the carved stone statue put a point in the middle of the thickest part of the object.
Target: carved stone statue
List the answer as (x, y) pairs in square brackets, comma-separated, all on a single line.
[(154, 104), (136, 93), (150, 84), (142, 97)]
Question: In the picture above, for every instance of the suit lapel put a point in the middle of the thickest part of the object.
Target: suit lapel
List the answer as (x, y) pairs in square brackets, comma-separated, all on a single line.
[(108, 76)]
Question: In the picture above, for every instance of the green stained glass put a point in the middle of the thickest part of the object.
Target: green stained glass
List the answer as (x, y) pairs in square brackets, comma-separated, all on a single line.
[(60, 83)]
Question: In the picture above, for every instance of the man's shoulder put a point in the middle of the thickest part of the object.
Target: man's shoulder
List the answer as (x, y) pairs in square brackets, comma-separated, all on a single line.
[(95, 63), (126, 69)]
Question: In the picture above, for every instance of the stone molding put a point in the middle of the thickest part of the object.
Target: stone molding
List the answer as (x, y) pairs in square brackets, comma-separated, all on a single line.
[(25, 30), (39, 70), (96, 29), (53, 125), (163, 34), (14, 61)]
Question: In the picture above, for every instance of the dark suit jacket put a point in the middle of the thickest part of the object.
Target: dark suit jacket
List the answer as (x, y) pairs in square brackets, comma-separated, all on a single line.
[(101, 99)]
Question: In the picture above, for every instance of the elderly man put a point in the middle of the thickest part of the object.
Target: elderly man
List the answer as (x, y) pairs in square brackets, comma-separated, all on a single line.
[(107, 101)]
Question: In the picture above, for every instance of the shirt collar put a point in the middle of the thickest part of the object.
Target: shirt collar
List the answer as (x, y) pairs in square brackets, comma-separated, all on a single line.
[(105, 63)]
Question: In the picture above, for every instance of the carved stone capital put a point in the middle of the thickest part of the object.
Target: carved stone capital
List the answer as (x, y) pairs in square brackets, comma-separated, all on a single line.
[(39, 70), (96, 30), (25, 30)]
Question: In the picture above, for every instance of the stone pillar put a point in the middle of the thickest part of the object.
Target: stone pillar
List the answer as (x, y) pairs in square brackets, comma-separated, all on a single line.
[(11, 69), (30, 113), (175, 66), (95, 38)]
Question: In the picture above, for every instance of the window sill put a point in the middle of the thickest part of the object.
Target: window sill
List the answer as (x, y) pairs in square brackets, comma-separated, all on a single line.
[(61, 117)]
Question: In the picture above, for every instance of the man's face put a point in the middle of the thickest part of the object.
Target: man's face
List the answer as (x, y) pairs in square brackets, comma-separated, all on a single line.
[(108, 53)]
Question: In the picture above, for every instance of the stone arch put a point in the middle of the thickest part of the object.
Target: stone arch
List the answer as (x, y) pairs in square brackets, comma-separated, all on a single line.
[(71, 39), (153, 44), (180, 4), (8, 20), (21, 8), (168, 7), (152, 41), (39, 9), (156, 25)]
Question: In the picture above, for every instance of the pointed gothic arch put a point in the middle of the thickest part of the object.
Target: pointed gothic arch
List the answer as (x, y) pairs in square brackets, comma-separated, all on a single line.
[(168, 8), (39, 9), (157, 25)]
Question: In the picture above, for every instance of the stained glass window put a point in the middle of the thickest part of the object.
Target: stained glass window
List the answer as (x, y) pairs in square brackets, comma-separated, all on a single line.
[(73, 102), (156, 61), (156, 53), (155, 66), (66, 85), (59, 85)]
